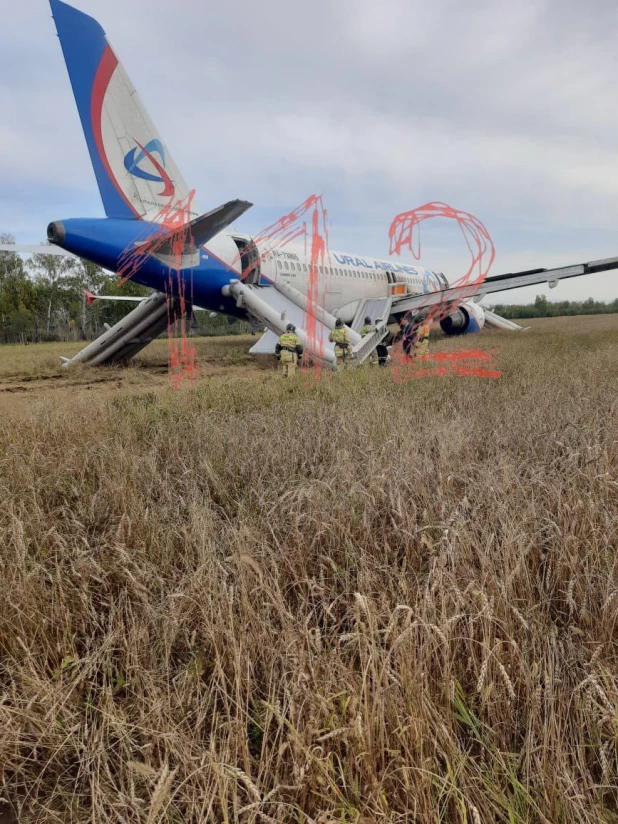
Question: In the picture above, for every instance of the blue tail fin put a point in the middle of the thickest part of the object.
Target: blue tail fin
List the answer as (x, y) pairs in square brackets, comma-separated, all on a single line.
[(136, 175)]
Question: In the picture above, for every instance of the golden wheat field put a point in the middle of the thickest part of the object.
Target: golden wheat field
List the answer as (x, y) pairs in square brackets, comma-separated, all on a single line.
[(351, 601)]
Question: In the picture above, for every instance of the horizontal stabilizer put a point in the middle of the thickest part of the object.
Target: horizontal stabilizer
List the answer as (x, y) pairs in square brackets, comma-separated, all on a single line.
[(194, 235), (204, 228), (90, 298)]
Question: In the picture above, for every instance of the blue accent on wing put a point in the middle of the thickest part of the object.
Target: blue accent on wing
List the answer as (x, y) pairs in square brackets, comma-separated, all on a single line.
[(83, 44)]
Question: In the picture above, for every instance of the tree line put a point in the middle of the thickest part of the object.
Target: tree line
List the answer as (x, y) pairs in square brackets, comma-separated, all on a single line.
[(543, 308), (43, 299)]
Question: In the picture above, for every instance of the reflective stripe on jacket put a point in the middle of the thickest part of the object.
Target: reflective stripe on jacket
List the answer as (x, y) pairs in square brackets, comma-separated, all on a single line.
[(340, 338), (288, 343)]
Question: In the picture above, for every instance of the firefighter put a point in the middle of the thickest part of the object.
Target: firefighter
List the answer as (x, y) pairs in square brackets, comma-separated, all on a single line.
[(343, 345), (369, 329), (288, 350), (421, 346)]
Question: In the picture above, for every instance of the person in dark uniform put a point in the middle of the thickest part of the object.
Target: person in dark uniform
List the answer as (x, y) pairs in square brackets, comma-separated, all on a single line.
[(406, 334)]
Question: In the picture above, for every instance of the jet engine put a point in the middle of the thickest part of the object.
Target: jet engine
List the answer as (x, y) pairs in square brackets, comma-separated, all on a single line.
[(470, 317)]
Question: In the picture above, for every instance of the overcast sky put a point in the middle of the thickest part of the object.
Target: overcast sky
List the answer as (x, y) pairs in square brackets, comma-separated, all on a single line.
[(505, 110)]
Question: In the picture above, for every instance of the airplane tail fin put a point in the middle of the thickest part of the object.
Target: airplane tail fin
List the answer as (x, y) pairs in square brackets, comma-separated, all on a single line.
[(137, 176)]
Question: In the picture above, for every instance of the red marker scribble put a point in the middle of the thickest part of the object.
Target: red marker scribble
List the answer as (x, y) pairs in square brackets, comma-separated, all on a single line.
[(462, 354), (169, 243), (405, 233), (453, 365), (306, 223)]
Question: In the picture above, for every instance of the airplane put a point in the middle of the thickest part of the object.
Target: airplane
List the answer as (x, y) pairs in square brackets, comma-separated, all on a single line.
[(152, 226)]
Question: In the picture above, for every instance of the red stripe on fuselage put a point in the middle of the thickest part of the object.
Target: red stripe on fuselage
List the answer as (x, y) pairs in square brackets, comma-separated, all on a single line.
[(106, 69)]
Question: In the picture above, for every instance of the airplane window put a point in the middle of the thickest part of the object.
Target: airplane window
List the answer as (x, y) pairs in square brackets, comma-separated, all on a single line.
[(279, 262), (304, 267)]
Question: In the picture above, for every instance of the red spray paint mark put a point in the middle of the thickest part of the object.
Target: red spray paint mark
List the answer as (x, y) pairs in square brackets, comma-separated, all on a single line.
[(404, 233), (452, 365), (462, 354), (170, 243), (307, 224)]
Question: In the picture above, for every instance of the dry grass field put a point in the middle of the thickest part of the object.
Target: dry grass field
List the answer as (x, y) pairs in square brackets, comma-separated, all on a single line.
[(347, 601)]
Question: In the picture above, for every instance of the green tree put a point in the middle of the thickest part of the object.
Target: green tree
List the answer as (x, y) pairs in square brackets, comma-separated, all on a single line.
[(48, 271), (17, 294)]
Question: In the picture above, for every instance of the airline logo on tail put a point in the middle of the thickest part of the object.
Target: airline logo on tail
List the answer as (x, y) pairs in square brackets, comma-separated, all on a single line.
[(134, 158)]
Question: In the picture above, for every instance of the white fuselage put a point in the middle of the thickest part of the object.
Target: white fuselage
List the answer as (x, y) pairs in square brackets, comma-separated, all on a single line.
[(343, 280)]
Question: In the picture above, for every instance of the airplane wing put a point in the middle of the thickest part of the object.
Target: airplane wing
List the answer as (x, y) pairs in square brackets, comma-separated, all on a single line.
[(500, 283), (35, 250)]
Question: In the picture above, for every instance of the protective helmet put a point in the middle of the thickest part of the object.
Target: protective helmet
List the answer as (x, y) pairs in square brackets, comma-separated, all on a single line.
[(339, 323), (290, 328), (368, 319)]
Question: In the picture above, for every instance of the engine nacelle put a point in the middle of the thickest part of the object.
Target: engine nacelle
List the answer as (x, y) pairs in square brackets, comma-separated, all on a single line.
[(470, 317)]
